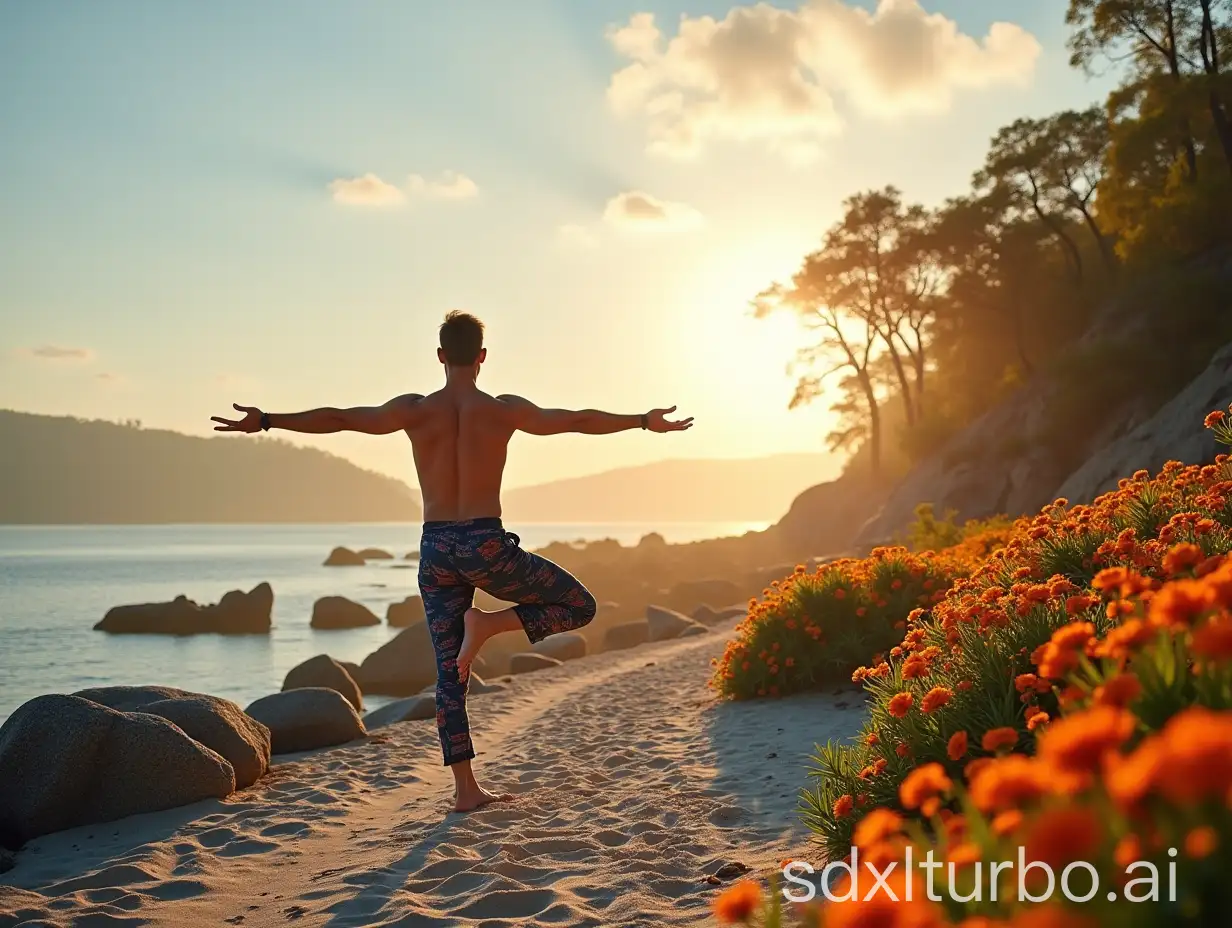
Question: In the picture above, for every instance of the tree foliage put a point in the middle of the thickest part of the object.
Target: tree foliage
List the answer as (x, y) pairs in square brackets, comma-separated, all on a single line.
[(925, 317)]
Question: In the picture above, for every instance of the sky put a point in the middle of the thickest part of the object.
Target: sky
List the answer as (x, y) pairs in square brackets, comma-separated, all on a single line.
[(275, 204)]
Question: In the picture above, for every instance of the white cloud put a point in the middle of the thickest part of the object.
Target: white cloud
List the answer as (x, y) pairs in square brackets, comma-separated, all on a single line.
[(634, 209), (451, 186), (57, 353), (776, 76), (368, 190)]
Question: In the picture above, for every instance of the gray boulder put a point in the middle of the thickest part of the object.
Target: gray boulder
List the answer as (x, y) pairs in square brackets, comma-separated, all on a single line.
[(331, 612), (375, 554), (237, 613), (666, 623), (626, 635), (67, 761), (565, 646), (403, 710), (692, 630), (402, 666), (406, 613), (344, 557), (707, 615), (305, 719), (530, 662), (323, 670), (219, 724)]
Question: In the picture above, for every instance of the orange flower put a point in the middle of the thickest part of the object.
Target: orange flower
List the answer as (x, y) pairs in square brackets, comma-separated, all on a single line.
[(1213, 419), (1196, 745), (1128, 851), (1061, 836), (923, 783), (877, 826), (957, 745), (843, 806), (1128, 779), (1179, 603), (1007, 822), (1025, 681), (963, 854), (1077, 743), (1124, 640), (1006, 782), (998, 739), (1201, 842), (1037, 720), (935, 698), (1119, 691), (738, 903), (1213, 639), (1073, 635), (900, 704), (1181, 557), (915, 667)]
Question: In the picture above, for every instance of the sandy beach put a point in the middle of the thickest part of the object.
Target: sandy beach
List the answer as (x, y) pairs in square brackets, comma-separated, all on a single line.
[(632, 785)]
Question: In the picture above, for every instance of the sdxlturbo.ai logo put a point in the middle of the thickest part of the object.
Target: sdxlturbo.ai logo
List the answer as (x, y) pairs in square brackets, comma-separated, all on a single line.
[(843, 881)]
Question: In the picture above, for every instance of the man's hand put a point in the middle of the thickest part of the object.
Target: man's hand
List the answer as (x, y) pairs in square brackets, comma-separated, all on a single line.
[(250, 423), (657, 421)]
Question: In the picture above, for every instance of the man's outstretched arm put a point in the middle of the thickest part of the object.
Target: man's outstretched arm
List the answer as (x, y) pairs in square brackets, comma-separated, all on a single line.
[(529, 418), (397, 414)]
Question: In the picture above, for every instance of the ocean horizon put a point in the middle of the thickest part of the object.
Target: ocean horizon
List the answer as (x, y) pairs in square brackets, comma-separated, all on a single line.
[(59, 580)]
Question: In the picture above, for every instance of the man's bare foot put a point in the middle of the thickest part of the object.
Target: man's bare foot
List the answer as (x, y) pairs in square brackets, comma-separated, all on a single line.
[(477, 627), (472, 799)]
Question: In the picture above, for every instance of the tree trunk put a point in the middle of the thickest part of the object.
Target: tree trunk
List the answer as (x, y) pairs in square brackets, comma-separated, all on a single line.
[(1105, 249), (1210, 64), (874, 423), (901, 373)]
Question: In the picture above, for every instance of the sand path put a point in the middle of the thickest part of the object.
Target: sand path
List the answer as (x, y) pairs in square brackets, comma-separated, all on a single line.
[(632, 785)]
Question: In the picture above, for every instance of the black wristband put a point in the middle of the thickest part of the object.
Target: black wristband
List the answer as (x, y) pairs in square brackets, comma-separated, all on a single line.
[(265, 423), (645, 421)]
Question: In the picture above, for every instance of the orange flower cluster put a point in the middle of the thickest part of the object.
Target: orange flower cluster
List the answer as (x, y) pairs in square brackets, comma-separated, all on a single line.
[(1052, 623), (816, 627)]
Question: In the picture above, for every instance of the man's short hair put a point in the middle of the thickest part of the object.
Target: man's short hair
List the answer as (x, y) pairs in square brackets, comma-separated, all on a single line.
[(461, 338)]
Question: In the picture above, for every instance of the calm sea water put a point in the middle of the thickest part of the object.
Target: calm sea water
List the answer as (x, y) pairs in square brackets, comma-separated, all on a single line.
[(57, 581)]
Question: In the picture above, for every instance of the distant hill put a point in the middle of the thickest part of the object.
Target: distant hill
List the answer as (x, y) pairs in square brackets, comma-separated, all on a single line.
[(59, 469), (704, 490)]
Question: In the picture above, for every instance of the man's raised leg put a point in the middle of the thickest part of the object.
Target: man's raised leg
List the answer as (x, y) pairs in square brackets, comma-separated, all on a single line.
[(549, 600)]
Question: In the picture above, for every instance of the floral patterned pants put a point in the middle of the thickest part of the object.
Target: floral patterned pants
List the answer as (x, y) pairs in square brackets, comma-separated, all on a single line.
[(455, 559)]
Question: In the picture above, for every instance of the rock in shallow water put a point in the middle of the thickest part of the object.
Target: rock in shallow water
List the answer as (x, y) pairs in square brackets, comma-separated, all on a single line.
[(67, 761), (340, 612), (237, 613), (343, 557)]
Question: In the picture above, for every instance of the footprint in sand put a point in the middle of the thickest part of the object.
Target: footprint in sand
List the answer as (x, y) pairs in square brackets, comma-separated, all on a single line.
[(727, 816), (508, 904), (284, 829), (247, 846)]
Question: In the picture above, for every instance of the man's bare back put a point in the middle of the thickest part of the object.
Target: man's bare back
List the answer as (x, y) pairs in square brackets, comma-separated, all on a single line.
[(460, 439)]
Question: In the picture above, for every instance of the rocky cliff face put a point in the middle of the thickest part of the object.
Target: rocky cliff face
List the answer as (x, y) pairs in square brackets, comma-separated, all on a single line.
[(994, 466), (1174, 433)]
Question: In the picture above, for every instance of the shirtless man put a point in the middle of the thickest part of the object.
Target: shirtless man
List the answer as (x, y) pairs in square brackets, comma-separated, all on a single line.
[(460, 437)]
